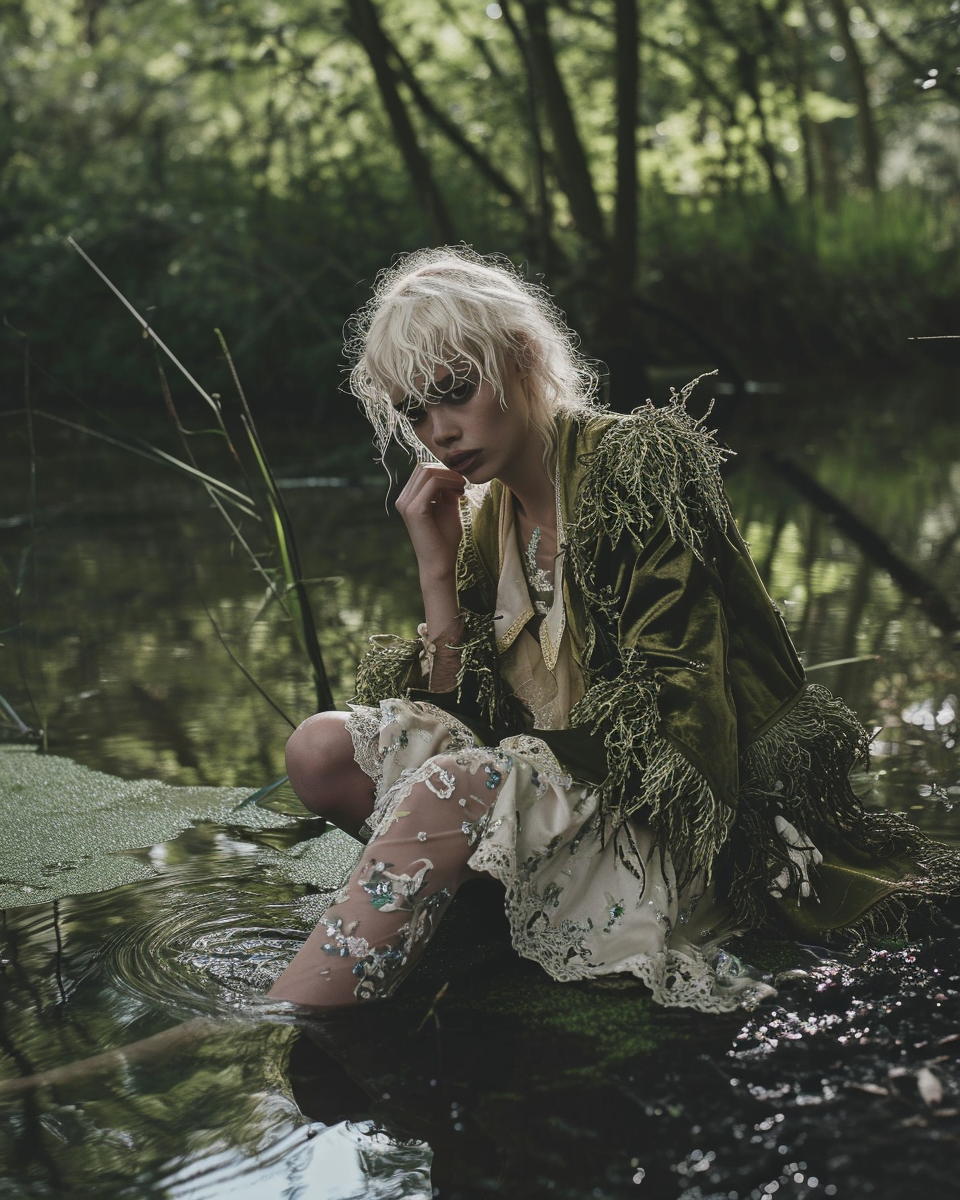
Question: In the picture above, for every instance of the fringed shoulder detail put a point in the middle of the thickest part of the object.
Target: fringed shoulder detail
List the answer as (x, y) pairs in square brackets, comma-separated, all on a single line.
[(647, 775), (655, 460)]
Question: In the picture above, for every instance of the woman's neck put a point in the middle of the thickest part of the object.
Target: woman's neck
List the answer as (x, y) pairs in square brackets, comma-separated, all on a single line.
[(534, 490)]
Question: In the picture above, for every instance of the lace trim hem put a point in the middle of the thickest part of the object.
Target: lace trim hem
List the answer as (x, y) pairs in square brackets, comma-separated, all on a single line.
[(363, 725), (676, 979)]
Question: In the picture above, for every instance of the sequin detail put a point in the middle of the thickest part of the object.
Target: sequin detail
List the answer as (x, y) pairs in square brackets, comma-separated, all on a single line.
[(343, 944), (615, 911), (381, 970), (444, 786), (541, 834), (392, 893)]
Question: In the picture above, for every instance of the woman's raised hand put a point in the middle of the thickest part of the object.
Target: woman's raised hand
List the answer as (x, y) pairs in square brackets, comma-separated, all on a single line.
[(430, 507)]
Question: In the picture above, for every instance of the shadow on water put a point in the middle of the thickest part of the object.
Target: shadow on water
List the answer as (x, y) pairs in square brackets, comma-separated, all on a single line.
[(848, 1084)]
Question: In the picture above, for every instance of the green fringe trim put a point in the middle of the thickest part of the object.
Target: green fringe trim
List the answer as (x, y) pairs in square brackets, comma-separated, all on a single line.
[(656, 460), (480, 686), (800, 768), (648, 775), (385, 670)]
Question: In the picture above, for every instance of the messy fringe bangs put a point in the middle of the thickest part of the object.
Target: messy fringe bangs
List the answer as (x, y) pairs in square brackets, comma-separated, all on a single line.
[(454, 308)]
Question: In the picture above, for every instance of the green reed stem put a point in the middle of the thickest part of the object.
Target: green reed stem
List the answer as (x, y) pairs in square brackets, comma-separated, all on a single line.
[(285, 540), (286, 545)]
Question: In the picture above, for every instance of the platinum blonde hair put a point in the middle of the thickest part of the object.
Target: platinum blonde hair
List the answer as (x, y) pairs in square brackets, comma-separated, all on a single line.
[(451, 307)]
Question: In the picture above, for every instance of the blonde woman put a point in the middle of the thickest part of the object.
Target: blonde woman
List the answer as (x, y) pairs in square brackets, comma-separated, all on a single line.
[(603, 709)]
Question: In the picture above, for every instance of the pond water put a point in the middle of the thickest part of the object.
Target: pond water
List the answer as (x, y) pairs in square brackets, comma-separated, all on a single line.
[(145, 893)]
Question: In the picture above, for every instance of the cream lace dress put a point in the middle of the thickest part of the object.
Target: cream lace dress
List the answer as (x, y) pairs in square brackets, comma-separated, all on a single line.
[(584, 899)]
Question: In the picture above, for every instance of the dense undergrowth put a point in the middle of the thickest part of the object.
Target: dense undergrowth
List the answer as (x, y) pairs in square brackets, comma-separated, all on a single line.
[(741, 280)]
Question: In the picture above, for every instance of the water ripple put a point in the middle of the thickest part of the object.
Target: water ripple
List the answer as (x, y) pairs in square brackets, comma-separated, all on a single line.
[(201, 944)]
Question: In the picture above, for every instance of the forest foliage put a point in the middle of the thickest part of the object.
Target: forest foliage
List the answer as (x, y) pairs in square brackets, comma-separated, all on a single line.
[(758, 184)]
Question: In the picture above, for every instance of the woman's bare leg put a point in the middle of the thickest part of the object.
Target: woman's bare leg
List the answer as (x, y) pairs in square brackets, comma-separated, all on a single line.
[(385, 915), (324, 773)]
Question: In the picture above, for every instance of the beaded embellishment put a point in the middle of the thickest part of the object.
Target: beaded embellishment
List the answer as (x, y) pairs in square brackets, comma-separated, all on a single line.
[(539, 582)]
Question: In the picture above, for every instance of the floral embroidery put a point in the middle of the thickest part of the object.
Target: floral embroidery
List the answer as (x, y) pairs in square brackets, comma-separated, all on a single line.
[(381, 970), (388, 892), (615, 910), (342, 943), (541, 834), (447, 783)]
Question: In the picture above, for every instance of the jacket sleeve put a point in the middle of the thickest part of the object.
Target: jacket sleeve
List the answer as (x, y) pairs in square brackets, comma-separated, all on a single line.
[(660, 575), (659, 694), (480, 698)]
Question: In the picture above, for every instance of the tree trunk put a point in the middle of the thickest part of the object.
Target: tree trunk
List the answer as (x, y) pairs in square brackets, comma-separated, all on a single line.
[(626, 215), (572, 164), (452, 133), (869, 141), (619, 331), (548, 252), (828, 163), (363, 22)]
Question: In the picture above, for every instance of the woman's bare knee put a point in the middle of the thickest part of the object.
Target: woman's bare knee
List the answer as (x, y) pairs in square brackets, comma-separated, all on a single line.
[(324, 773)]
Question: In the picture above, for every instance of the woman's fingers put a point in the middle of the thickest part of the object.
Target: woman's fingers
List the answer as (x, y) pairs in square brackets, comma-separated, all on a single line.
[(430, 507), (426, 486), (429, 478)]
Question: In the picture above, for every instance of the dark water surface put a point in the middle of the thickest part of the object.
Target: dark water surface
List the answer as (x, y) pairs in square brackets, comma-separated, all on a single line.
[(848, 1084)]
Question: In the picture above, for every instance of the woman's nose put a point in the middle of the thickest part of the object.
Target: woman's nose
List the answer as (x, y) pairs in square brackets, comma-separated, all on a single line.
[(444, 429)]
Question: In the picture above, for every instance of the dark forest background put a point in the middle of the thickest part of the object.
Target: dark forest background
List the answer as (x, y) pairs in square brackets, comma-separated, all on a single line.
[(767, 186)]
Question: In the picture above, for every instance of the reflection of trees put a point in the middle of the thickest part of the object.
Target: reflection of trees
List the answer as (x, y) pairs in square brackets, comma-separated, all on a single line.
[(843, 604), (124, 652), (137, 683), (921, 588), (211, 1098)]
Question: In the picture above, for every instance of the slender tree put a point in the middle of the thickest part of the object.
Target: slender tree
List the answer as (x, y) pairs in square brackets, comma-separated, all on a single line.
[(364, 23), (627, 211), (571, 156), (869, 140)]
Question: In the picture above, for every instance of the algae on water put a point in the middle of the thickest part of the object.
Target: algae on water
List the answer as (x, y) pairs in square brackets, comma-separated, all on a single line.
[(66, 830)]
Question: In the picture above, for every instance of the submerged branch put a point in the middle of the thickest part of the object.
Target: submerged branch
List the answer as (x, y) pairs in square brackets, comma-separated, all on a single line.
[(171, 1041)]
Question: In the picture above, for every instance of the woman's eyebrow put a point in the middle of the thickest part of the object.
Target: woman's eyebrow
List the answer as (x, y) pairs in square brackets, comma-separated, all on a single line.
[(435, 391), (441, 386)]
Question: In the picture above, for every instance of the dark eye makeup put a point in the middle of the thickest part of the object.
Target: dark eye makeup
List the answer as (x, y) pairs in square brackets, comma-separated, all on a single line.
[(457, 389), (451, 389)]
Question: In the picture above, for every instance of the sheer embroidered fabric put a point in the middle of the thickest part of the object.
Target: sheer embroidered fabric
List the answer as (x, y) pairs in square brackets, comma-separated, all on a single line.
[(582, 901)]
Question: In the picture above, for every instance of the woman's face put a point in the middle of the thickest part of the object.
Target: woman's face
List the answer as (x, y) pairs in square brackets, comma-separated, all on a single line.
[(466, 427)]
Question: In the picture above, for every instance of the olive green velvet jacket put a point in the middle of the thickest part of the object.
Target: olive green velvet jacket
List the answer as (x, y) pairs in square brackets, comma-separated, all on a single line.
[(696, 717)]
